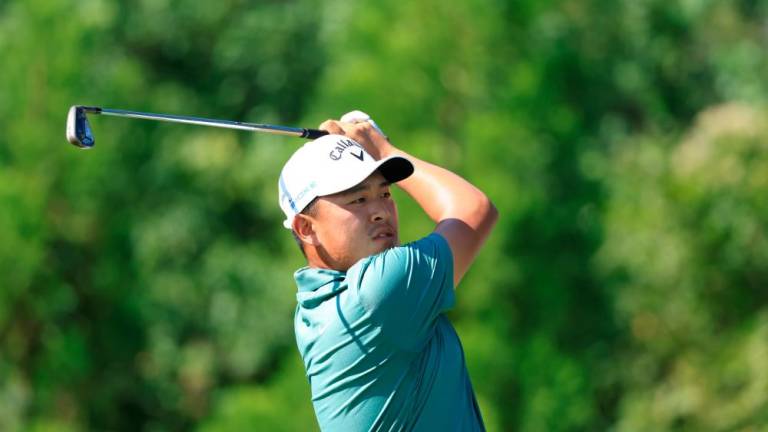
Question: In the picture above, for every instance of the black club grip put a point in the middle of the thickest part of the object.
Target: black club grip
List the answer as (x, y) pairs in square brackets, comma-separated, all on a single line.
[(314, 133)]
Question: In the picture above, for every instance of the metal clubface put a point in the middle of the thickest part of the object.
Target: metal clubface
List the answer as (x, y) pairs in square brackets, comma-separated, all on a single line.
[(79, 131)]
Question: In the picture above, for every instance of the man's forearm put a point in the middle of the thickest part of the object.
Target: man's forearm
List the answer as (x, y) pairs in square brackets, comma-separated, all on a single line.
[(443, 194), (464, 214)]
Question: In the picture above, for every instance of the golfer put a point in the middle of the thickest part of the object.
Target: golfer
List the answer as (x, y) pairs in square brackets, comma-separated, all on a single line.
[(370, 323)]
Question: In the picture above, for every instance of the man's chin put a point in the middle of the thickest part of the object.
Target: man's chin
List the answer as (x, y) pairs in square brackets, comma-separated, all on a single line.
[(384, 244)]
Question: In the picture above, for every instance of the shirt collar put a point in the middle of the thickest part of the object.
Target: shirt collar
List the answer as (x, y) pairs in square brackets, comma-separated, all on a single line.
[(317, 285)]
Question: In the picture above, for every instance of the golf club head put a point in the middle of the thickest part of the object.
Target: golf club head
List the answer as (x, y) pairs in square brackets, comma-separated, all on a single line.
[(78, 130)]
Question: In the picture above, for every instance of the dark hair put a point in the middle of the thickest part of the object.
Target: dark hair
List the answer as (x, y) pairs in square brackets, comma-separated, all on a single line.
[(309, 210)]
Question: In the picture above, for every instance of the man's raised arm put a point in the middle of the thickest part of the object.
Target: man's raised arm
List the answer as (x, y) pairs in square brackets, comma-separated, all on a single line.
[(463, 213)]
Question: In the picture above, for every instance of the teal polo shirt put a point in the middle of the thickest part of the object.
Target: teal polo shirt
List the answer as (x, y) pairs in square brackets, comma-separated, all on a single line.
[(379, 353)]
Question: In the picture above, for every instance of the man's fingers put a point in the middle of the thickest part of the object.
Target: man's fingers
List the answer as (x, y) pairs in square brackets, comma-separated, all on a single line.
[(332, 126), (359, 117), (362, 131)]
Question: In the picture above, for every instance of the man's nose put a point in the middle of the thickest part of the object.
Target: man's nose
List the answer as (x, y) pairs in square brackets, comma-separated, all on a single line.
[(379, 213)]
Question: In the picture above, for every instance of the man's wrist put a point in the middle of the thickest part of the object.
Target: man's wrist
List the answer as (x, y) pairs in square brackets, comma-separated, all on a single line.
[(384, 148)]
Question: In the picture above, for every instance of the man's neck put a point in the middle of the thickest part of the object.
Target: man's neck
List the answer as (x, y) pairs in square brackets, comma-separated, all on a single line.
[(319, 258)]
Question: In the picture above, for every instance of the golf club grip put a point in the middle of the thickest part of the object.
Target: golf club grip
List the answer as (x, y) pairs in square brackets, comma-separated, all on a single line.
[(313, 133)]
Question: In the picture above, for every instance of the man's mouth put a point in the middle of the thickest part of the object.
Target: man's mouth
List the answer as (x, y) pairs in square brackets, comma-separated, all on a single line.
[(383, 234)]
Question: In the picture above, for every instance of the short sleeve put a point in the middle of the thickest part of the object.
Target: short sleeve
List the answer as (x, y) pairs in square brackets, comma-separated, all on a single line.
[(406, 288)]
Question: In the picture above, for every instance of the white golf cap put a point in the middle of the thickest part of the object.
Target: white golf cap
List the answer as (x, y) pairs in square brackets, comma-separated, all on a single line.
[(328, 165)]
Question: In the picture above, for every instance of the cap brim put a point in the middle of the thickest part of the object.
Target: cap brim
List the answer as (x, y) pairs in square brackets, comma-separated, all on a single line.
[(395, 168)]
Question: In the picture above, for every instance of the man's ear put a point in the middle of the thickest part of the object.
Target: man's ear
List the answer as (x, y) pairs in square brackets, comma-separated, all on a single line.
[(304, 228)]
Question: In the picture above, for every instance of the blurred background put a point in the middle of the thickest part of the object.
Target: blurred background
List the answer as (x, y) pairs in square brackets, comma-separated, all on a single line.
[(146, 285)]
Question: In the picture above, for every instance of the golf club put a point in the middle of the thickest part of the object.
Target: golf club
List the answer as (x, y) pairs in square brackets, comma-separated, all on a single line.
[(79, 130)]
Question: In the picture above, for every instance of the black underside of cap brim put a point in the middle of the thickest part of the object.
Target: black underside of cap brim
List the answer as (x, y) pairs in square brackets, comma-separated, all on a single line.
[(396, 169)]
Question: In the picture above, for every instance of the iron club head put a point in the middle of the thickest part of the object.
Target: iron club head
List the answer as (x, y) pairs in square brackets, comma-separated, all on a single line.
[(79, 131)]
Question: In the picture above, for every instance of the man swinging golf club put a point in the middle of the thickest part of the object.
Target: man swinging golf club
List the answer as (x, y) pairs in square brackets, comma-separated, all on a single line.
[(377, 348)]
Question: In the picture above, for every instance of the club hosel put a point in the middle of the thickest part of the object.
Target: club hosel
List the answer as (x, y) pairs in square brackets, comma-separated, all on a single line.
[(91, 109)]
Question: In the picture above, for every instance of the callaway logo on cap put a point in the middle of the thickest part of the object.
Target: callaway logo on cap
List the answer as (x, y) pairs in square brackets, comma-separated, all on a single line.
[(328, 165)]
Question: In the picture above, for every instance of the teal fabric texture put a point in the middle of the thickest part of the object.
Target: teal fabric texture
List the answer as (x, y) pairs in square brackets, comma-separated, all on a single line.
[(379, 353)]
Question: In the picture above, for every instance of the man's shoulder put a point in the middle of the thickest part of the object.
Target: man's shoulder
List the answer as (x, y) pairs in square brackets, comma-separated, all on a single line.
[(397, 275), (388, 264)]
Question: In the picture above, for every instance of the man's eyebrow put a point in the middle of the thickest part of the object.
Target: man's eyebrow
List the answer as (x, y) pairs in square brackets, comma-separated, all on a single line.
[(361, 187)]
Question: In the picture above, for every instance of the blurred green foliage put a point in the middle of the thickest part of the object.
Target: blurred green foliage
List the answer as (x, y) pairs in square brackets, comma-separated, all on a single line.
[(146, 284)]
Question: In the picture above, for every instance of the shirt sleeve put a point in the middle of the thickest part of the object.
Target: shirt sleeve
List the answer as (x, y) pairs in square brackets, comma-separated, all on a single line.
[(406, 288)]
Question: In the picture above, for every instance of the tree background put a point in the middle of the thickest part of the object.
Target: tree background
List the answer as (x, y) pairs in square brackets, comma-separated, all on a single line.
[(145, 285)]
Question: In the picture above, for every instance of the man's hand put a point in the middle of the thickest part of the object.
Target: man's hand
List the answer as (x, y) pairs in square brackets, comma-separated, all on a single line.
[(365, 133)]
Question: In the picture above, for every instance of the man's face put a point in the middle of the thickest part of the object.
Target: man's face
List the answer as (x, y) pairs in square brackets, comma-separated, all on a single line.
[(356, 223)]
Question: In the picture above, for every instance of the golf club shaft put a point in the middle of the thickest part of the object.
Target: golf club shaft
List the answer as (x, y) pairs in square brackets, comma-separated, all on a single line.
[(254, 127)]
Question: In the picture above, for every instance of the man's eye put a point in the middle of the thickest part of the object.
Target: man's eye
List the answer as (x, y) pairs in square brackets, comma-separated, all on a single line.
[(358, 201), (386, 195)]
